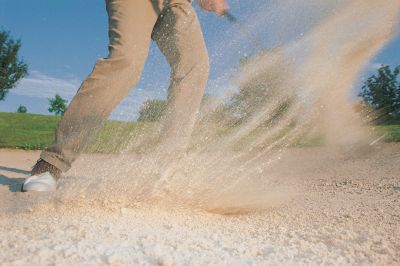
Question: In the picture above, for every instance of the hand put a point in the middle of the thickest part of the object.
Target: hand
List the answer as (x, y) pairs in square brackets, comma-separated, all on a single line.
[(217, 6)]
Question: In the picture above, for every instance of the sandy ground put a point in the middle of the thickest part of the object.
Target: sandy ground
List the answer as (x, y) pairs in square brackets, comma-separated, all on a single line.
[(348, 212)]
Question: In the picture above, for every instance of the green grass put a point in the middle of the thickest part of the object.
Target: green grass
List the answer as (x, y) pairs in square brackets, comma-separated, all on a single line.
[(26, 131), (35, 132), (391, 132)]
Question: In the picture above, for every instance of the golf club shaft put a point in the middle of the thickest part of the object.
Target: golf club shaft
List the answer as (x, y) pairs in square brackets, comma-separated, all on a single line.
[(253, 39)]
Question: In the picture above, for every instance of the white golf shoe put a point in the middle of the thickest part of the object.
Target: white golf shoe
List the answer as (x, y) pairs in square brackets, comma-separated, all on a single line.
[(42, 182)]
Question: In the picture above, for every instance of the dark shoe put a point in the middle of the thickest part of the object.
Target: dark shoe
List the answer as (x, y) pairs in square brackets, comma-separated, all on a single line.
[(42, 167)]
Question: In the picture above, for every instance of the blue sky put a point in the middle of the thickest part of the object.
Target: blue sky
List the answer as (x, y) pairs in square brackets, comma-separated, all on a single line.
[(63, 39)]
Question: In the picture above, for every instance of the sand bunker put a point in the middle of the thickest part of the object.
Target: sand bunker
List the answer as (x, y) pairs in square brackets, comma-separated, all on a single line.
[(347, 214)]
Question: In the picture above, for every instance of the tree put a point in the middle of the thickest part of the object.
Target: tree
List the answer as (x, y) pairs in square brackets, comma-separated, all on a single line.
[(58, 105), (12, 69), (22, 109), (152, 110), (381, 92)]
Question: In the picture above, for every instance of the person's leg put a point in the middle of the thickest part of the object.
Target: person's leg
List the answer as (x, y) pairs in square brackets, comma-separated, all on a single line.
[(179, 37), (130, 26)]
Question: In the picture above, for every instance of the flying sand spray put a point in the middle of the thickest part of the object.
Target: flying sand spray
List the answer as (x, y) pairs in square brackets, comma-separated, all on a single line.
[(257, 45)]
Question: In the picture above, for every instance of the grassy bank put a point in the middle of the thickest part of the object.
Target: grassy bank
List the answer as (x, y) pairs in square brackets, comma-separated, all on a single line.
[(391, 132), (26, 131), (35, 132), (29, 131)]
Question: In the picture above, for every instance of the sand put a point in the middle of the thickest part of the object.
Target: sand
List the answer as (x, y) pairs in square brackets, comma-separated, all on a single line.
[(347, 213)]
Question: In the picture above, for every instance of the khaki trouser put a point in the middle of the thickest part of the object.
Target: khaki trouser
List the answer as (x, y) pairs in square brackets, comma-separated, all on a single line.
[(132, 24)]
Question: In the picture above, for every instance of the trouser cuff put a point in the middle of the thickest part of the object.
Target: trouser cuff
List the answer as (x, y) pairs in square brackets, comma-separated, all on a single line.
[(54, 160)]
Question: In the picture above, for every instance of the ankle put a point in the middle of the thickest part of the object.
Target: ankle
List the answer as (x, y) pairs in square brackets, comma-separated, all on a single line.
[(42, 166)]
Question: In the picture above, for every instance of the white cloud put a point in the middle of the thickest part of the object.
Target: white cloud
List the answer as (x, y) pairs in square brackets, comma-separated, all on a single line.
[(40, 85)]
